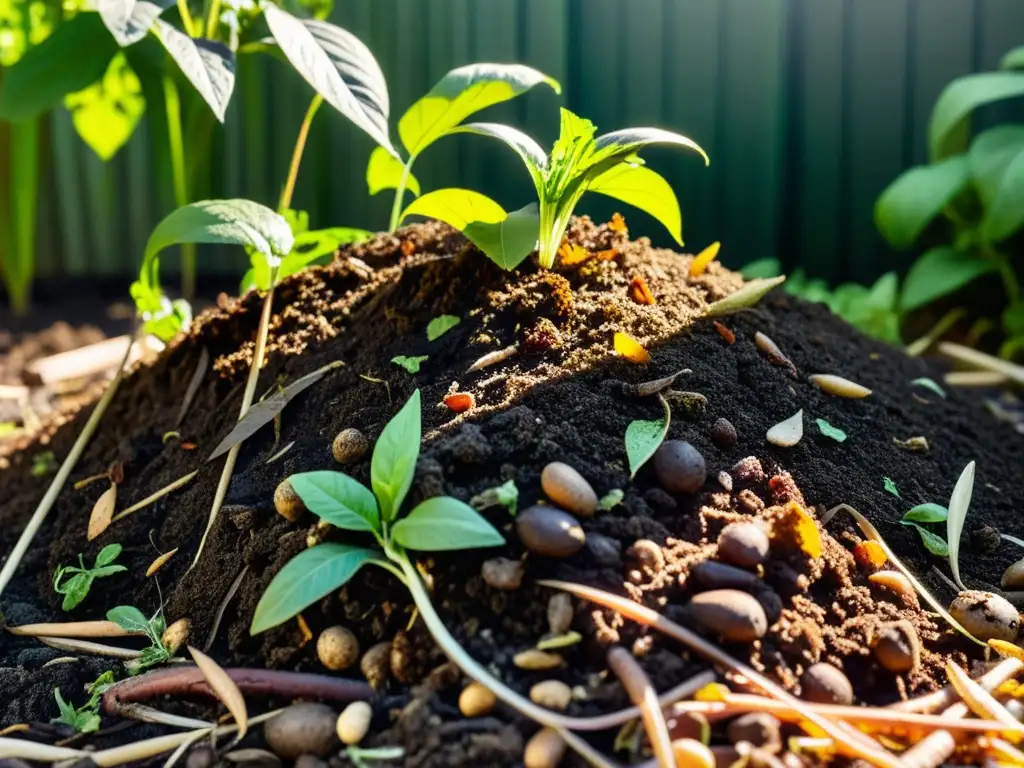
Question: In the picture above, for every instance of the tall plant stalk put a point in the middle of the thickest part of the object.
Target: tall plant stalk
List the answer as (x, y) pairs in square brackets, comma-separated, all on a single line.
[(262, 331), (17, 261), (396, 206), (179, 180)]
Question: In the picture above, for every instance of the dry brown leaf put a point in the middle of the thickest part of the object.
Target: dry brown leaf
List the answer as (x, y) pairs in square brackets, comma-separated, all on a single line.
[(224, 687), (630, 348), (159, 563), (102, 512)]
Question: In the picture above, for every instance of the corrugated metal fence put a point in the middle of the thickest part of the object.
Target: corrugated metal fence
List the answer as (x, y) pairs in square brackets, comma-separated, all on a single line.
[(807, 107)]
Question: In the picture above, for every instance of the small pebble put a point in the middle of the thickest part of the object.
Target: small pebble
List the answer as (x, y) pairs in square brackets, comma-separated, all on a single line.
[(337, 648), (349, 446), (748, 471), (771, 602), (544, 750), (986, 616), (568, 489), (897, 583), (743, 544), (693, 754), (253, 758), (715, 575), (660, 500), (725, 480), (788, 432), (476, 700), (550, 532), (376, 664), (897, 647), (176, 635), (734, 615), (287, 502), (552, 694), (760, 729), (503, 573), (680, 467), (302, 729), (723, 433), (537, 660), (560, 613), (648, 554), (1013, 577), (605, 550), (354, 722), (824, 684), (985, 540)]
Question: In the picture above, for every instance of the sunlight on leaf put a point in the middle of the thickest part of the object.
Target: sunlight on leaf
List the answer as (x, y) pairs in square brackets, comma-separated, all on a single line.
[(703, 259), (645, 189), (338, 499), (927, 513), (642, 440), (456, 207), (105, 114), (442, 524), (508, 242), (384, 171), (394, 457), (208, 65)]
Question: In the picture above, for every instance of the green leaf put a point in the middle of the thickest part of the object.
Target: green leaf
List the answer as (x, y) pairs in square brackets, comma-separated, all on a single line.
[(306, 578), (105, 113), (106, 570), (440, 325), (337, 499), (927, 513), (748, 296), (441, 524), (829, 431), (384, 171), (890, 486), (507, 242), (930, 384), (88, 722), (318, 9), (628, 141), (1013, 59), (645, 189), (208, 65), (939, 272), (611, 500), (507, 495), (916, 197), (456, 207), (108, 554), (74, 590), (339, 67), (996, 160), (411, 364), (932, 542), (130, 20), (73, 57), (642, 440), (394, 458), (129, 618), (318, 246), (68, 715), (762, 268), (1013, 319), (530, 152), (959, 99), (462, 92)]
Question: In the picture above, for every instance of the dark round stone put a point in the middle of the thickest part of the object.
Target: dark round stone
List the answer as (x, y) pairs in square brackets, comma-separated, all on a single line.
[(680, 467), (824, 684), (724, 433), (550, 532), (735, 616)]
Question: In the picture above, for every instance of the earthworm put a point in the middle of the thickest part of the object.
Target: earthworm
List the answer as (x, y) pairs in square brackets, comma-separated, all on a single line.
[(189, 681)]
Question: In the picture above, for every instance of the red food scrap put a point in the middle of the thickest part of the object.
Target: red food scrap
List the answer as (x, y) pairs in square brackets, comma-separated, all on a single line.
[(784, 489), (408, 247), (724, 332), (460, 402), (869, 555), (640, 292), (188, 446)]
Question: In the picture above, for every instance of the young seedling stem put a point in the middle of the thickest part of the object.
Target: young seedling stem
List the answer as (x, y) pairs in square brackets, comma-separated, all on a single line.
[(57, 484)]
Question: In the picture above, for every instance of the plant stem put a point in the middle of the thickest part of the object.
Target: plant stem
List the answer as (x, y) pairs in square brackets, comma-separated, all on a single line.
[(300, 145), (396, 206), (186, 18), (180, 180), (213, 20), (62, 475), (24, 184)]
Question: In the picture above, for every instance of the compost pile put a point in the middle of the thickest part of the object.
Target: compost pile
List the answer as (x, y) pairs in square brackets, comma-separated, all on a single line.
[(558, 393)]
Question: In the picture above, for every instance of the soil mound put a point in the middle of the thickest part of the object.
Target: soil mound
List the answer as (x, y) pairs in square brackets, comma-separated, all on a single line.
[(560, 395)]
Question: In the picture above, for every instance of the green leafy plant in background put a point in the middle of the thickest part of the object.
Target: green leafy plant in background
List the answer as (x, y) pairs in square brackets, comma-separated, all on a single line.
[(460, 93), (976, 185), (86, 718), (579, 162), (76, 588)]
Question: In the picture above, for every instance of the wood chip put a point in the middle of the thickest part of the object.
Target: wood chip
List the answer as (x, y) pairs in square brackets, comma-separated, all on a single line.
[(73, 629), (159, 563), (224, 687)]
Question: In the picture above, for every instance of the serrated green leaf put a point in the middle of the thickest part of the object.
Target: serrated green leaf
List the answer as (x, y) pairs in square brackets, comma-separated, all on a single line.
[(645, 189), (462, 92), (394, 458), (507, 495), (309, 576), (74, 590), (508, 242), (939, 272), (829, 431), (927, 513), (442, 524), (748, 296), (108, 554), (932, 541), (455, 207), (411, 364), (890, 486), (106, 113), (384, 171), (930, 384), (961, 97), (440, 325), (916, 197), (337, 499), (129, 618), (208, 65), (642, 440)]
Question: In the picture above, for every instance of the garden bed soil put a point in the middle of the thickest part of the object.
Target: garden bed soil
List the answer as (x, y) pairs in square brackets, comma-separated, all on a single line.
[(560, 397)]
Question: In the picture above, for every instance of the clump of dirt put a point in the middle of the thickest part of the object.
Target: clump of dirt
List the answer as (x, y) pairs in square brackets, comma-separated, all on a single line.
[(558, 396)]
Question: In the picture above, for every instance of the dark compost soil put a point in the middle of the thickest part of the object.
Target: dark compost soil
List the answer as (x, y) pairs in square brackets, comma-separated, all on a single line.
[(559, 398)]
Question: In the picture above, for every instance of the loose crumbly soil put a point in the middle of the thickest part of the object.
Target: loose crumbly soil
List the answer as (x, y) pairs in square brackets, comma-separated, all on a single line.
[(560, 397)]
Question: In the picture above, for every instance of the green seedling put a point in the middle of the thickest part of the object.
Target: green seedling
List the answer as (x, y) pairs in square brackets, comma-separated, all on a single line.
[(440, 325), (643, 437), (460, 93), (959, 503), (370, 757), (86, 718), (829, 431), (890, 486), (579, 162), (505, 495), (928, 513), (411, 364), (43, 464), (611, 500), (133, 620), (76, 588)]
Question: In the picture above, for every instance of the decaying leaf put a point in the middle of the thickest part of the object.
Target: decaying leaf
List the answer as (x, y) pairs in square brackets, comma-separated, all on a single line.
[(159, 563), (631, 349), (559, 641), (703, 259), (102, 512), (263, 412), (747, 296), (771, 350), (795, 527), (224, 687), (915, 444)]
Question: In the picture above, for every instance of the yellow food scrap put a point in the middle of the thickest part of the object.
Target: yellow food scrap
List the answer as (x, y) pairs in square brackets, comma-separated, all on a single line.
[(630, 348), (712, 692), (1007, 649), (795, 527), (705, 257), (618, 224), (159, 563), (869, 554), (304, 629), (572, 254)]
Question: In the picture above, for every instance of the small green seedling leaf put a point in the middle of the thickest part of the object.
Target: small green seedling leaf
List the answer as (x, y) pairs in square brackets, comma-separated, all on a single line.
[(394, 458), (611, 500), (306, 578), (441, 524), (208, 65), (927, 513), (108, 554), (129, 618), (829, 431), (916, 197), (642, 440), (43, 463), (384, 171), (890, 486), (440, 325), (76, 588), (411, 364), (504, 495), (932, 542), (929, 384), (337, 499), (747, 296)]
